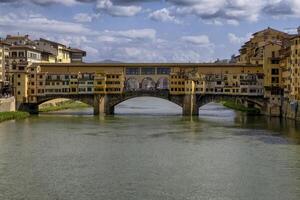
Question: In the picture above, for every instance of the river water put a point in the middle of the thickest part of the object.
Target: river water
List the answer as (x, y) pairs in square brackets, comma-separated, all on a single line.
[(221, 155)]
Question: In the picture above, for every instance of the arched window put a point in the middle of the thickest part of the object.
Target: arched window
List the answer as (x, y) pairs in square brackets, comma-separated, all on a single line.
[(132, 84), (148, 84)]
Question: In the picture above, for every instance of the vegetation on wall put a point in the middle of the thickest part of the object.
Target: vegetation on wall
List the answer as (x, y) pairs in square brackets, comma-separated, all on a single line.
[(70, 104), (4, 116), (236, 106)]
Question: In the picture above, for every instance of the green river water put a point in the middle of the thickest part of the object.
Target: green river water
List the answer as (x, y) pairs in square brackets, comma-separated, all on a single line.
[(148, 151)]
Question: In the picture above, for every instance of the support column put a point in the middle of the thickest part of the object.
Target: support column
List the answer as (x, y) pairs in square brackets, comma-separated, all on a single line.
[(273, 110), (96, 104), (102, 106), (31, 108), (190, 106)]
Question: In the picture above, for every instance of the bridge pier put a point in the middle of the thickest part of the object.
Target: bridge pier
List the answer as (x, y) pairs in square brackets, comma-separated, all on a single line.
[(31, 108), (190, 106), (102, 105)]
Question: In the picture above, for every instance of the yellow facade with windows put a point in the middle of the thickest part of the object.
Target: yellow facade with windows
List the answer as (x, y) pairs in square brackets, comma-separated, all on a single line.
[(73, 79), (295, 68)]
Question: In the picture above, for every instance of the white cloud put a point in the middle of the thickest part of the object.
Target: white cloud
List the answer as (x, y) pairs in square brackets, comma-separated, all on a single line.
[(41, 2), (202, 40), (233, 22), (93, 52), (42, 24), (233, 39), (137, 34), (110, 8), (234, 11), (216, 22), (45, 2), (238, 10), (163, 15), (82, 17)]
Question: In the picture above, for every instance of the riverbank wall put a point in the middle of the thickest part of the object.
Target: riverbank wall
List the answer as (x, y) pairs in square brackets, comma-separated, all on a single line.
[(291, 110), (7, 104)]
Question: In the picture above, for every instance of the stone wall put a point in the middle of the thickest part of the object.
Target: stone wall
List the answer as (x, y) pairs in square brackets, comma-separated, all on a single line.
[(291, 110), (7, 104)]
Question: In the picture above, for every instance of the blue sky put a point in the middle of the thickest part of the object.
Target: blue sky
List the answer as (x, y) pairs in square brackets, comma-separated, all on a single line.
[(149, 30)]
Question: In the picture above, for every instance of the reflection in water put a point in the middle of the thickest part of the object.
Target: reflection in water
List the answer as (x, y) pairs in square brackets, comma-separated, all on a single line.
[(220, 155)]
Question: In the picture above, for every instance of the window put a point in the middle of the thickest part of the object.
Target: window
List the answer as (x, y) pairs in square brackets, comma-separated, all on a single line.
[(14, 54), (275, 61), (21, 54), (273, 54), (275, 71), (148, 70), (275, 79), (163, 70), (244, 90), (132, 71), (253, 91)]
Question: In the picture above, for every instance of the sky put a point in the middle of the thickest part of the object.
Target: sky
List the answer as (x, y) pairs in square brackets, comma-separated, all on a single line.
[(149, 30)]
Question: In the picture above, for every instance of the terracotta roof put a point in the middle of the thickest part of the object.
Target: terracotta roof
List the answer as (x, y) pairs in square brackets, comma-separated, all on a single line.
[(74, 50), (4, 43), (25, 47), (52, 42), (268, 29), (17, 37)]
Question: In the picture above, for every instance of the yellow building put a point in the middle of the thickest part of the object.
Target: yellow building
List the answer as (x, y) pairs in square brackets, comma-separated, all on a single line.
[(252, 52), (55, 52), (20, 57), (270, 48), (295, 68), (4, 52), (60, 51)]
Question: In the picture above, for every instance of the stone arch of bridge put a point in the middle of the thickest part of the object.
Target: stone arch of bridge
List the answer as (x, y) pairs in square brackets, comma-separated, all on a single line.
[(256, 102), (87, 99), (178, 100)]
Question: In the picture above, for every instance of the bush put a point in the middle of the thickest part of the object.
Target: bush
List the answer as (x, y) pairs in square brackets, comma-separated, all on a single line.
[(240, 107), (4, 116), (63, 106)]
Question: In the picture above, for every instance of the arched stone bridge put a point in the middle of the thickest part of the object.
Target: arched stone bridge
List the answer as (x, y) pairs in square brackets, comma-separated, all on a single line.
[(190, 103)]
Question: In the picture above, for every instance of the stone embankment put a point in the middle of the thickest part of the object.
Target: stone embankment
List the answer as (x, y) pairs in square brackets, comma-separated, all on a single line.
[(291, 110), (7, 104)]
